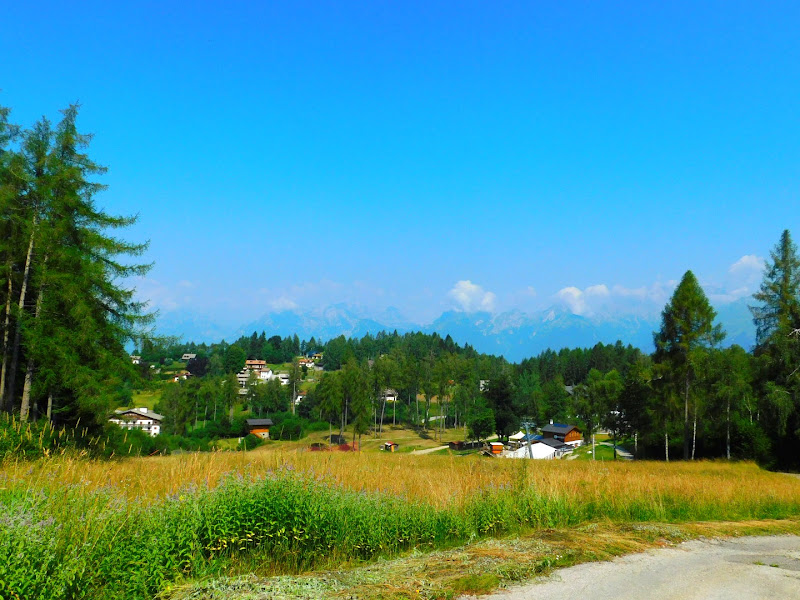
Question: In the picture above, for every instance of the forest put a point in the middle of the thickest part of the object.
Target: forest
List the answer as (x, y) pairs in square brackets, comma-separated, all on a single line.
[(68, 321)]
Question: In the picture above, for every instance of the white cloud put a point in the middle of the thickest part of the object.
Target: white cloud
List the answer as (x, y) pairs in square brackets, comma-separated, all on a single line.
[(283, 303), (616, 299), (748, 265), (470, 297)]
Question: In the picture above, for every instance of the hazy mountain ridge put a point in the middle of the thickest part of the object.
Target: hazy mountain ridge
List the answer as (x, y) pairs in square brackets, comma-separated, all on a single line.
[(514, 334)]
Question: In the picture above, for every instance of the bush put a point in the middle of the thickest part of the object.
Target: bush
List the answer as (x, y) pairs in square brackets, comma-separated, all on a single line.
[(250, 441)]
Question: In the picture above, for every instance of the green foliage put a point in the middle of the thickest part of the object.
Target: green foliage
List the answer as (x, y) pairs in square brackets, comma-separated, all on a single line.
[(250, 441)]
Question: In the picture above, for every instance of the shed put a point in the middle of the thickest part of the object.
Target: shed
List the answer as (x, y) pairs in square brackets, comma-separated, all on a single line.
[(496, 447), (389, 446), (259, 427)]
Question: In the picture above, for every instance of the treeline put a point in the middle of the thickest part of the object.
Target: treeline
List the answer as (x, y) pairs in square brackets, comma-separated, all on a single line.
[(64, 316)]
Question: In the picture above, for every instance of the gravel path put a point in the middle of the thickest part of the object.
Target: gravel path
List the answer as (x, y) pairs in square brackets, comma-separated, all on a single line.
[(747, 568)]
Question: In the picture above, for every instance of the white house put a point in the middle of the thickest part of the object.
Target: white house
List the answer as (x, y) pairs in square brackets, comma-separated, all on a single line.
[(138, 418), (136, 359)]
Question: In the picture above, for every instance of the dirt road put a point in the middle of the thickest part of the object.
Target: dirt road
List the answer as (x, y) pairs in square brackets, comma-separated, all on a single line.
[(745, 568)]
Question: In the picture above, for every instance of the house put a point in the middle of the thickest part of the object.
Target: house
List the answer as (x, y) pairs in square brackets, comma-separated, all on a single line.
[(483, 384), (259, 427), (559, 447), (316, 357), (255, 365), (389, 446), (136, 359), (569, 434), (300, 397), (182, 375), (389, 395), (187, 357), (138, 418), (284, 377)]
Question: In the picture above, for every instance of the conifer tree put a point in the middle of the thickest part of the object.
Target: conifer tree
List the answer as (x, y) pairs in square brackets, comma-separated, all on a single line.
[(777, 320), (71, 315), (687, 327)]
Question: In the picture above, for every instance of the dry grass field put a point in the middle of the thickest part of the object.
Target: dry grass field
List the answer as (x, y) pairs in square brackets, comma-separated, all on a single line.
[(140, 527)]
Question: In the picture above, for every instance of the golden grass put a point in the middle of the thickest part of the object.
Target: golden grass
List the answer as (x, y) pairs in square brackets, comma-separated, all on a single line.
[(438, 480)]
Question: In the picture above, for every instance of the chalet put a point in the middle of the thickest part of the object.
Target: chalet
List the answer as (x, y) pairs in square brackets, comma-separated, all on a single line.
[(316, 357), (138, 418), (136, 359), (569, 434), (255, 365), (187, 357), (259, 427), (389, 446), (182, 375)]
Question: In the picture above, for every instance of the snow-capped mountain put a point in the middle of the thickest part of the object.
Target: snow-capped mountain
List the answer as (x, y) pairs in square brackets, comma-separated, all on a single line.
[(513, 334)]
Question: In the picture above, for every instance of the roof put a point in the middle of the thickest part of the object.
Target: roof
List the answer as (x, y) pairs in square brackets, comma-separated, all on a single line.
[(557, 444), (259, 422), (188, 356), (559, 428), (140, 413)]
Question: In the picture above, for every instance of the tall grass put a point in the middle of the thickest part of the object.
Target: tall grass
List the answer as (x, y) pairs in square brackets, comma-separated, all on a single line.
[(129, 529)]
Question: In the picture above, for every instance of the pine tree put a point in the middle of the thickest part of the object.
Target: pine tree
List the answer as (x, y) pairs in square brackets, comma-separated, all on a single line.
[(687, 328)]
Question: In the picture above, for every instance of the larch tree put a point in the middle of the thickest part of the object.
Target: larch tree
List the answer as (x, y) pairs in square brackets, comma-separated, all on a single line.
[(71, 311), (776, 315), (687, 328)]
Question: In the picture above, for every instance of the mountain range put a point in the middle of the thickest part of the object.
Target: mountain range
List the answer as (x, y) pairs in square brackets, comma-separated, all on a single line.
[(513, 334)]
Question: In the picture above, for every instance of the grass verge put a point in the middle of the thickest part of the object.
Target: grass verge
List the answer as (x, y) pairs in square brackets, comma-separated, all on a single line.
[(473, 569)]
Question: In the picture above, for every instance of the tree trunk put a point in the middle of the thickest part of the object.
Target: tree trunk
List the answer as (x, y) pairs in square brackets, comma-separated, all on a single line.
[(6, 336), (666, 445), (12, 375), (728, 430), (686, 419), (25, 404), (383, 410), (694, 433), (50, 407)]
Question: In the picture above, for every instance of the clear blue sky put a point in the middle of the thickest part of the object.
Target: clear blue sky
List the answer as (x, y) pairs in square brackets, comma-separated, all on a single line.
[(379, 153)]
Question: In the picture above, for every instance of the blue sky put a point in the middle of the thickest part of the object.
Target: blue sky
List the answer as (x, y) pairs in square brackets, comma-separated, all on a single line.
[(428, 155)]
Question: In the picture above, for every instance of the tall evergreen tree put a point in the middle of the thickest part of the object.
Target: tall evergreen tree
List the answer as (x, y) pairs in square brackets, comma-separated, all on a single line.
[(777, 319), (687, 326), (73, 316)]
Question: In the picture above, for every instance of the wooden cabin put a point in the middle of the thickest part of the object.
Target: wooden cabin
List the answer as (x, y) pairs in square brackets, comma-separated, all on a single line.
[(259, 427)]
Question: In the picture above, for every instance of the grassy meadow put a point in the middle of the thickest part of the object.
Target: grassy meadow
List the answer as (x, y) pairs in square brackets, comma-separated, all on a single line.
[(136, 527)]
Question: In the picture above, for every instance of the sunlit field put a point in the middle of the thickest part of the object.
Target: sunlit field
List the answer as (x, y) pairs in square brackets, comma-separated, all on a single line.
[(134, 527)]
